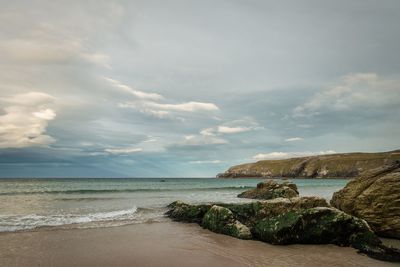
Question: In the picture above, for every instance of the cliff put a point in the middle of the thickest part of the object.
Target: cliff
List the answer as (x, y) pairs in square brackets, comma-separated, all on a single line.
[(346, 165)]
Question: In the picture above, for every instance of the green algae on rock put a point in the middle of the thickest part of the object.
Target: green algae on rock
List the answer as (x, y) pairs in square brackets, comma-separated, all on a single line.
[(187, 213), (221, 220), (270, 189), (300, 220)]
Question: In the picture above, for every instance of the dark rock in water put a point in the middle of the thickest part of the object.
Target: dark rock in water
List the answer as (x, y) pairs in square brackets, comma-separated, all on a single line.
[(375, 197), (306, 220), (270, 189), (221, 220)]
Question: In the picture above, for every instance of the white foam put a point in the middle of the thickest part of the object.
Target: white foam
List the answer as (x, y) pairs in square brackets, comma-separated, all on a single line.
[(12, 223)]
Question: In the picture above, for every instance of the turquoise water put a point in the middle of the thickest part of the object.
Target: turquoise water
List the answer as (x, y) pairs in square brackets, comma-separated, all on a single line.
[(27, 204)]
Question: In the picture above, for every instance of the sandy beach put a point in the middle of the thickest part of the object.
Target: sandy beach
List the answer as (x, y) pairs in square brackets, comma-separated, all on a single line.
[(163, 244)]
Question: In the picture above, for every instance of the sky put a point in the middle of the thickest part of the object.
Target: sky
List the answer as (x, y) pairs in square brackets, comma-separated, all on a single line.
[(190, 88)]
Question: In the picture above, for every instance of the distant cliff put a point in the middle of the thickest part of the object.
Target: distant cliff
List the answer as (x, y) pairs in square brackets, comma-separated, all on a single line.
[(327, 166)]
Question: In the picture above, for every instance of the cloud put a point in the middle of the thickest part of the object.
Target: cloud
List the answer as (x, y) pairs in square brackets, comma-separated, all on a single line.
[(46, 51), (205, 162), (149, 103), (232, 130), (136, 93), (287, 155), (198, 140), (29, 99), (208, 132), (232, 127), (25, 120), (354, 91), (186, 107), (125, 150), (293, 139)]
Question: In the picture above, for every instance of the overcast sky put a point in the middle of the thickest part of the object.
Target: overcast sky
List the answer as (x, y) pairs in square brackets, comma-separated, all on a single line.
[(189, 88)]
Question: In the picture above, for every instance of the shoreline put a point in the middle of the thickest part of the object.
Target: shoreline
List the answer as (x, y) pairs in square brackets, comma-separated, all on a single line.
[(163, 244)]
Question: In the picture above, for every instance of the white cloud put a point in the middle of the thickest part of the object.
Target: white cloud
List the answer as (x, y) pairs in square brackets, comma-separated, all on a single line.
[(187, 107), (208, 132), (231, 130), (150, 140), (125, 150), (149, 103), (293, 139), (353, 91), (136, 93), (287, 155), (29, 99), (205, 162), (238, 126), (46, 114), (155, 113), (198, 140), (25, 120)]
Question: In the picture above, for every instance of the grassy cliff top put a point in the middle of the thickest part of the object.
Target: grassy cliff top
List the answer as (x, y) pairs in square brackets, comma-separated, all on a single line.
[(344, 164)]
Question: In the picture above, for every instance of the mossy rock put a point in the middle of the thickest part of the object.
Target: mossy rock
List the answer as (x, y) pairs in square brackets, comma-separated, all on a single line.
[(305, 220), (180, 211), (323, 225), (270, 189), (221, 220)]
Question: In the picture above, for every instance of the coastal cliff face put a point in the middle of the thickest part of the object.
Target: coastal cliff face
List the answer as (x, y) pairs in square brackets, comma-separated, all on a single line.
[(326, 166)]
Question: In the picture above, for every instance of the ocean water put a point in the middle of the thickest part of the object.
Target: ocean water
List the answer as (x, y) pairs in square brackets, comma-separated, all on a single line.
[(27, 204)]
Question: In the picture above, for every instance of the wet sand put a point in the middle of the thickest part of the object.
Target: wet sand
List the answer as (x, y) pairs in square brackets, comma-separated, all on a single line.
[(163, 244)]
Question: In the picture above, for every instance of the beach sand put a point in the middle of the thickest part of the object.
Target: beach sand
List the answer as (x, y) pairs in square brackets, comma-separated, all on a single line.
[(163, 244)]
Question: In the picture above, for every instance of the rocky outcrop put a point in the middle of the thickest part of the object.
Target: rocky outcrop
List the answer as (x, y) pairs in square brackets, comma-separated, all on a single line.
[(375, 197), (183, 212), (270, 189), (325, 166), (282, 221), (221, 220), (180, 211)]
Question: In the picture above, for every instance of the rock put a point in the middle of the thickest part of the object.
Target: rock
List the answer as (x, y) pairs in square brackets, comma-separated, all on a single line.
[(221, 220), (249, 212), (375, 197), (180, 211), (323, 225), (270, 189), (284, 221)]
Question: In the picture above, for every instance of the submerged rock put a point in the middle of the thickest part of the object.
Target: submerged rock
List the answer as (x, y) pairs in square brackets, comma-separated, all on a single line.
[(375, 197), (306, 220), (270, 189)]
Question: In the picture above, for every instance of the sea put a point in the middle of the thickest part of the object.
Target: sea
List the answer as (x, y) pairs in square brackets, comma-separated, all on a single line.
[(31, 204)]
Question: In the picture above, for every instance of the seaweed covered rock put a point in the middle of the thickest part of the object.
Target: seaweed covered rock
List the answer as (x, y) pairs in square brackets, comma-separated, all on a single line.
[(319, 225), (270, 189), (253, 211), (375, 197), (221, 220), (301, 220), (180, 211), (323, 225)]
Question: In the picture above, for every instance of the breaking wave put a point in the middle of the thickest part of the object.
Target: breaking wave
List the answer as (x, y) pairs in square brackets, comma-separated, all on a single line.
[(11, 223)]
